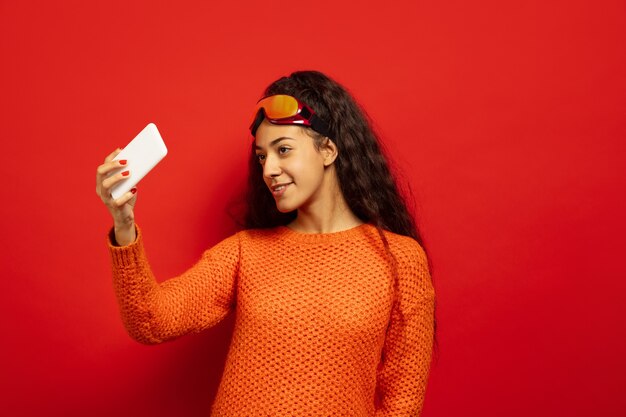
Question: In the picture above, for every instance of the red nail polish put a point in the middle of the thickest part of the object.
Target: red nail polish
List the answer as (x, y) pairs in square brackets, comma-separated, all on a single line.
[(125, 173), (123, 161), (133, 190)]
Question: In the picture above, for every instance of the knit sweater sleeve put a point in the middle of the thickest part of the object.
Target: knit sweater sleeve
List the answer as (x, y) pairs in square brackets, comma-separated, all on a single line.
[(405, 365), (191, 302)]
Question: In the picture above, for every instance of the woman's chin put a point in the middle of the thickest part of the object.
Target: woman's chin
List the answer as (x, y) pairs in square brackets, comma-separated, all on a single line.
[(284, 208)]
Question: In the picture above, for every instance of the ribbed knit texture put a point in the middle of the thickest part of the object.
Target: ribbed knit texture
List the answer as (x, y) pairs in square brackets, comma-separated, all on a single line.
[(317, 331)]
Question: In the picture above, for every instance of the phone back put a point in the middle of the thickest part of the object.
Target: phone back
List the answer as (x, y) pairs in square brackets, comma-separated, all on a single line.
[(143, 153)]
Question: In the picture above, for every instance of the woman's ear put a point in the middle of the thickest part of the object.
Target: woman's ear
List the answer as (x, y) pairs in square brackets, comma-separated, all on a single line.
[(330, 151)]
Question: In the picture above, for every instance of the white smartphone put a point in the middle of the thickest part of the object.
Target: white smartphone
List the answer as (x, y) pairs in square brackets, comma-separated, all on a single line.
[(142, 153)]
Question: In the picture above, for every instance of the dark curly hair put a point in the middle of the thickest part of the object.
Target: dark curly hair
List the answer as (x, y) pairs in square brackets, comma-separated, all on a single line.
[(364, 177)]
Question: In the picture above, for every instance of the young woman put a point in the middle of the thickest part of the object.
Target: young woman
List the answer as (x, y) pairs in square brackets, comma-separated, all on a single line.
[(329, 280)]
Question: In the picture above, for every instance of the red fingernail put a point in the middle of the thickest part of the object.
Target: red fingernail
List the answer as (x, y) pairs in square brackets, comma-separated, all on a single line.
[(133, 190), (125, 173), (123, 161)]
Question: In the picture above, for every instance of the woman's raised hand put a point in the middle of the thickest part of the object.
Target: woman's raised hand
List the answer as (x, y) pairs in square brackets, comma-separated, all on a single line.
[(121, 209)]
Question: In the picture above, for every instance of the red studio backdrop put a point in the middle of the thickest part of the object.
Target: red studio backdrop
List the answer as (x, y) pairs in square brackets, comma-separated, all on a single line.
[(506, 119)]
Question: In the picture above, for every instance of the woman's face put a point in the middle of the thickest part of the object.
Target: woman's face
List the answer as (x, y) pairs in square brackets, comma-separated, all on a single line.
[(288, 156)]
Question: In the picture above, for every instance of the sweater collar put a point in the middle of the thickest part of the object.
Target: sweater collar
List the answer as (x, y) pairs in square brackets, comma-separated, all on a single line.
[(341, 235)]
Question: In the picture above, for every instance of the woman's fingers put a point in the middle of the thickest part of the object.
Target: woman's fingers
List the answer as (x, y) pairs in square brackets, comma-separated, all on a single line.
[(122, 208), (102, 172), (112, 155), (110, 165), (109, 182), (126, 197)]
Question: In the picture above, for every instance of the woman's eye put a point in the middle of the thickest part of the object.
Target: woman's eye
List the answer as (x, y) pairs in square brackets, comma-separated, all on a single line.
[(261, 157)]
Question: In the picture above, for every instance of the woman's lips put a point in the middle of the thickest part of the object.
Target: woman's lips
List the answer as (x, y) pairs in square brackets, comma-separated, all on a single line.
[(281, 190)]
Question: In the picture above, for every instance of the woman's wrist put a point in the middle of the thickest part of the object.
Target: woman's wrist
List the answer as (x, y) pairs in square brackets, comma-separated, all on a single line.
[(125, 234)]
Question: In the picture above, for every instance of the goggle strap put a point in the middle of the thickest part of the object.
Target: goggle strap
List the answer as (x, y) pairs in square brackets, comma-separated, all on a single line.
[(260, 115), (316, 123), (319, 125)]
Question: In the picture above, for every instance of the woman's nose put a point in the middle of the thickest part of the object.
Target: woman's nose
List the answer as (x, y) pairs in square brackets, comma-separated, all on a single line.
[(271, 167)]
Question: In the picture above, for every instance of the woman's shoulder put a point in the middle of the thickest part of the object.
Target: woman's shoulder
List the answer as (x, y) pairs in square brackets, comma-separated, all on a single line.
[(235, 240), (406, 247), (413, 266), (251, 235)]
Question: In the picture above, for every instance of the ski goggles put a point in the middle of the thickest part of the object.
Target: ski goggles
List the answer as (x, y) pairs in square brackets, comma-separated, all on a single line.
[(281, 109)]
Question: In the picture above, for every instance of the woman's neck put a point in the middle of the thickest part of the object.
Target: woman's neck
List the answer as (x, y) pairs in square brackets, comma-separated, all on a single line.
[(326, 215)]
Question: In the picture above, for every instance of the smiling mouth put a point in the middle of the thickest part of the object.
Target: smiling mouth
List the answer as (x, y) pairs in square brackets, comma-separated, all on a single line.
[(278, 191)]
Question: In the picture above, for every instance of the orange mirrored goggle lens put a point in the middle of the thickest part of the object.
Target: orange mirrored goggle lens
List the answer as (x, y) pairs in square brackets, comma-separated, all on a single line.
[(278, 106), (284, 109)]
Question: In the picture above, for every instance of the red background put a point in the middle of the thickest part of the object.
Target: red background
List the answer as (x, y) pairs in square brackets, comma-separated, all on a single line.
[(507, 119)]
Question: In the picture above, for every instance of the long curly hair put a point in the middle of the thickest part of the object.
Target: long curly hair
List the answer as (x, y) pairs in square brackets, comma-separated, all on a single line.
[(362, 168)]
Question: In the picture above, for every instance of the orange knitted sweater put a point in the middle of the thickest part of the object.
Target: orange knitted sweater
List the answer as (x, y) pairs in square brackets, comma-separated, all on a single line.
[(318, 331)]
